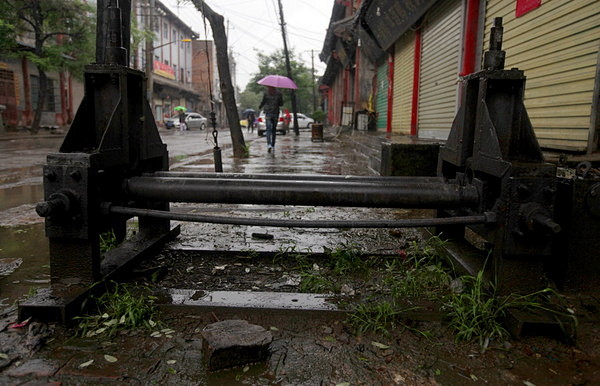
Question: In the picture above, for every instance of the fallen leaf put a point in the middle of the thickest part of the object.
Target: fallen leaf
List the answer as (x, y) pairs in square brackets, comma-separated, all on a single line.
[(474, 377), (86, 364), (380, 345), (3, 356), (528, 383), (246, 369), (155, 334), (273, 328), (171, 361), (22, 324), (110, 358)]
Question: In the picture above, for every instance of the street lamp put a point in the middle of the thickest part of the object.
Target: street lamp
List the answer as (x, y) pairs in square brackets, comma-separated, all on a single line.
[(174, 41)]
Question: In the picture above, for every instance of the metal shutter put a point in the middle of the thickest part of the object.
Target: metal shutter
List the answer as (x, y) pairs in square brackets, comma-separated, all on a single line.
[(439, 69), (381, 102), (403, 83), (557, 47)]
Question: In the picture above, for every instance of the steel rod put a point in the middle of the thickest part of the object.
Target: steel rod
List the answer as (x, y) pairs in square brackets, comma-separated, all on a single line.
[(289, 192), (404, 223), (301, 177)]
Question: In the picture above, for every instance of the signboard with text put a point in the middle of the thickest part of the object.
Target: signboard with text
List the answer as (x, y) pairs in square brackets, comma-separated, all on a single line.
[(164, 70)]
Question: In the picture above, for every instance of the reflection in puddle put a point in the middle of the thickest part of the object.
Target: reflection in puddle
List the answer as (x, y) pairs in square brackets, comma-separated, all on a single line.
[(19, 195), (29, 244)]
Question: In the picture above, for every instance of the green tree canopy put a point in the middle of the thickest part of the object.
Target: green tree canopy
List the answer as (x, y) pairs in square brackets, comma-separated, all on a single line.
[(274, 64), (54, 35)]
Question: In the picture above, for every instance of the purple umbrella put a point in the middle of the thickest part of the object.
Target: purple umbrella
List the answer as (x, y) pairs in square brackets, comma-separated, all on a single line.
[(278, 81)]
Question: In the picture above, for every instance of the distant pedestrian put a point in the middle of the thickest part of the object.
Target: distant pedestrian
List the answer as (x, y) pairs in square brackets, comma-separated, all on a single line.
[(271, 102), (251, 118), (182, 125)]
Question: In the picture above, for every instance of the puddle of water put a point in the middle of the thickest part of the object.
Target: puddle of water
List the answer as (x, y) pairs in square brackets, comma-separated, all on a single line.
[(19, 195), (29, 244)]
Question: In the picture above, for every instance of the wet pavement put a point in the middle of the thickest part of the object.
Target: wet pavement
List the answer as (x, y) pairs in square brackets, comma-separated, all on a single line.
[(38, 353), (310, 347)]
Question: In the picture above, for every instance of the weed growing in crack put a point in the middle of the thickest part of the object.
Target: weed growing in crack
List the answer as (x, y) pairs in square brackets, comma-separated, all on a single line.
[(346, 258), (478, 311), (419, 272), (380, 317), (108, 241), (121, 307)]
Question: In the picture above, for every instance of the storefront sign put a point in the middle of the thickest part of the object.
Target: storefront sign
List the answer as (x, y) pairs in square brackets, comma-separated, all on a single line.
[(164, 70)]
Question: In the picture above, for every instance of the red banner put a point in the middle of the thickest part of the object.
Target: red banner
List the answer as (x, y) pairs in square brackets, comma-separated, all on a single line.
[(524, 6), (164, 70)]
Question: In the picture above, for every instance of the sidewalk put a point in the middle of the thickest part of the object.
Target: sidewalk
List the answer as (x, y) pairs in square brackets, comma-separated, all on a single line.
[(38, 353)]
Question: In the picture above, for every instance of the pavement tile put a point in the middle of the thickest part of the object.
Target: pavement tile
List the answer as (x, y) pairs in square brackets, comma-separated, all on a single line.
[(35, 367)]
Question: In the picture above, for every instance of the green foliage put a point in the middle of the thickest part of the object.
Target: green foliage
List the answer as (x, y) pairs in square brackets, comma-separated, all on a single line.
[(250, 99), (478, 311), (347, 259), (275, 64), (120, 307), (318, 116), (108, 241), (61, 32), (422, 273), (380, 317)]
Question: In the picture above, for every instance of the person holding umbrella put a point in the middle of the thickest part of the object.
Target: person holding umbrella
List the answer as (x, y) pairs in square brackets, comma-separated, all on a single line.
[(181, 110), (271, 102)]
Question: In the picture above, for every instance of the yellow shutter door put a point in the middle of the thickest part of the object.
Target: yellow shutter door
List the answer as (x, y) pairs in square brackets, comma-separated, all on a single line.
[(557, 47), (403, 82), (439, 69)]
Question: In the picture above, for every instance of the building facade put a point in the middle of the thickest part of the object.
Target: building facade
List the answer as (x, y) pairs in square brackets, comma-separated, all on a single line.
[(166, 57), (403, 61)]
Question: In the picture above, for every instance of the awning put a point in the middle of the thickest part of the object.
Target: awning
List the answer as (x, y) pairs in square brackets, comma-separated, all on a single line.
[(389, 19)]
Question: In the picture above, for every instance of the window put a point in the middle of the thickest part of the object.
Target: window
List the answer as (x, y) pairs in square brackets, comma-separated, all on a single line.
[(166, 31), (50, 102)]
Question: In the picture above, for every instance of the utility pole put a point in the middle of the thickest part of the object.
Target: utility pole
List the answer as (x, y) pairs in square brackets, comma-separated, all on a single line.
[(150, 52), (314, 86), (289, 69)]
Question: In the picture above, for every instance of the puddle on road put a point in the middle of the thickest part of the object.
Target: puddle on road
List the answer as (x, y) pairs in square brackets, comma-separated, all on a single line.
[(29, 244), (19, 195)]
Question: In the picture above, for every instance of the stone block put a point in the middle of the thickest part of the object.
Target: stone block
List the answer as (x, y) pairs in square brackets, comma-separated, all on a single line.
[(409, 159), (232, 343)]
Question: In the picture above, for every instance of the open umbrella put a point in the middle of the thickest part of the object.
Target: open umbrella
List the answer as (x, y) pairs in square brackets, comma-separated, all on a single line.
[(179, 108), (247, 112), (278, 81)]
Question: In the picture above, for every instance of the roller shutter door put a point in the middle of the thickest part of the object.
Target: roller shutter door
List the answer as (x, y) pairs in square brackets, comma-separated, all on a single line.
[(557, 47), (403, 83), (439, 69), (381, 105)]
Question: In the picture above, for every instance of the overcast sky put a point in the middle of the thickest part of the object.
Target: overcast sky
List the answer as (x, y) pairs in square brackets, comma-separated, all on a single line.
[(253, 26)]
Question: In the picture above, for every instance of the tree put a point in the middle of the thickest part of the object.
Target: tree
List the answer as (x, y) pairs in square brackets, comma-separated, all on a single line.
[(275, 64), (227, 90), (55, 35)]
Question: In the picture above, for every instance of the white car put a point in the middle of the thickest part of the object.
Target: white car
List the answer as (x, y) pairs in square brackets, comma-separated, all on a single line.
[(304, 121)]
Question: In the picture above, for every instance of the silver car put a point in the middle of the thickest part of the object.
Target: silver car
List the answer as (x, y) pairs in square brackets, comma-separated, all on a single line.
[(192, 121), (262, 124)]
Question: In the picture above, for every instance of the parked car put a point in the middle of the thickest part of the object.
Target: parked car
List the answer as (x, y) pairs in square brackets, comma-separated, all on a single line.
[(192, 120), (262, 125), (304, 121)]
